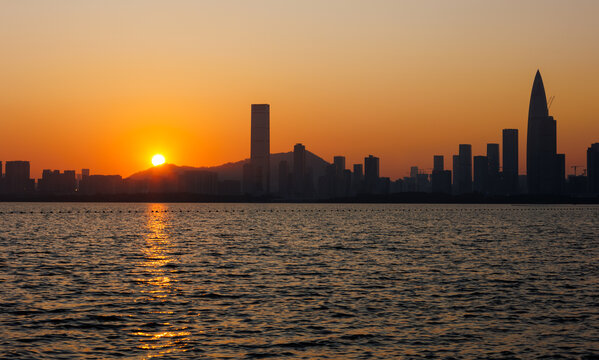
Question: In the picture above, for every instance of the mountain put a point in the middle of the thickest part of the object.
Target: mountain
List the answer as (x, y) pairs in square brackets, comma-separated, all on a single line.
[(234, 170)]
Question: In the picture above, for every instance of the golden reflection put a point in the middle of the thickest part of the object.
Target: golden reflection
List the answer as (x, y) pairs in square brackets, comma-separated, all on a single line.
[(158, 284)]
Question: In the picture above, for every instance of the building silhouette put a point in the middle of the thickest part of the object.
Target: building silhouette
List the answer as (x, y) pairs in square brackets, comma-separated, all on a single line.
[(54, 182), (229, 188), (493, 173), (299, 170), (541, 144), (560, 168), (260, 149), (198, 182), (510, 161), (481, 174), (284, 180), (455, 165), (465, 169), (16, 178), (247, 179), (342, 182), (101, 184), (440, 178), (438, 163), (371, 174), (358, 179), (593, 168)]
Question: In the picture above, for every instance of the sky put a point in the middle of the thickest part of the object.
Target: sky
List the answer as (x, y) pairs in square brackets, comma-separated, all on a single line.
[(107, 84)]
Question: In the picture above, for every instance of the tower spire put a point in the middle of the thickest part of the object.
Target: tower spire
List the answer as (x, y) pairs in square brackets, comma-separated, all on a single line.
[(538, 99)]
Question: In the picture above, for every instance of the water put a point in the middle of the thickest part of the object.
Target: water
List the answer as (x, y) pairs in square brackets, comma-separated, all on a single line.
[(302, 281)]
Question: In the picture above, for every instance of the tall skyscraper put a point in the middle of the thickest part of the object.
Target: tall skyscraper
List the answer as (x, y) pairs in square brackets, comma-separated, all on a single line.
[(541, 143), (339, 184), (359, 172), (456, 169), (339, 162), (593, 168), (465, 169), (510, 160), (260, 148), (440, 178), (371, 173), (358, 178), (438, 163), (481, 174), (299, 170), (493, 160)]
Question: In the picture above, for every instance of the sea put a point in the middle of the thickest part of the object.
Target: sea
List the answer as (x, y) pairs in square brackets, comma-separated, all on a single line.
[(305, 281)]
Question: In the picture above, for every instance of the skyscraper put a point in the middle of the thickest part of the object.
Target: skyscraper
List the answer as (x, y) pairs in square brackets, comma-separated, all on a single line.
[(371, 173), (493, 160), (593, 168), (339, 162), (339, 184), (481, 174), (456, 169), (510, 160), (299, 169), (541, 143), (440, 178), (260, 148), (357, 178), (438, 163), (17, 177), (465, 169)]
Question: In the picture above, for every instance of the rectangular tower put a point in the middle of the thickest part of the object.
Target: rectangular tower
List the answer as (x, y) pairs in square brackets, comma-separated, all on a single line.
[(493, 173), (371, 173), (481, 174), (260, 148), (299, 170), (510, 161), (465, 169), (17, 177), (438, 163), (456, 169)]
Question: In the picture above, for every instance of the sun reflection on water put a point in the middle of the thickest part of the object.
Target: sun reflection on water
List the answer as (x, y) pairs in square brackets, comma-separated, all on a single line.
[(158, 283)]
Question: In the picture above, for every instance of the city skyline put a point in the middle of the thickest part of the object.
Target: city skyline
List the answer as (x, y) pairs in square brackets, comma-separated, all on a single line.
[(398, 79), (293, 177), (538, 108)]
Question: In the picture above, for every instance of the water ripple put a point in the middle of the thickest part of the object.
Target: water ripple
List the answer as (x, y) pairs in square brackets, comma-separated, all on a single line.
[(299, 281)]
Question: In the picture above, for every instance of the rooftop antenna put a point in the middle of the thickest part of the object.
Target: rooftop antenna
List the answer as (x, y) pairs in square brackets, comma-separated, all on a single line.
[(550, 102)]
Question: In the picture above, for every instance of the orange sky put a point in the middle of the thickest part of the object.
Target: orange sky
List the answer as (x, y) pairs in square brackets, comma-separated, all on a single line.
[(107, 84)]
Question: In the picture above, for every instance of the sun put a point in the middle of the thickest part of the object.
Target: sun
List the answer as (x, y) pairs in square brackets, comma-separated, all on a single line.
[(158, 160)]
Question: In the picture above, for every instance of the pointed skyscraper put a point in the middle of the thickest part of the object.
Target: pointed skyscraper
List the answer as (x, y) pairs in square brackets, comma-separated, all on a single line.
[(538, 99), (541, 143)]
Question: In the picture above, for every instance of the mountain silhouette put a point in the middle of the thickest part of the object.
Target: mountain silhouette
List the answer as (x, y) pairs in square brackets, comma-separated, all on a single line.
[(234, 170)]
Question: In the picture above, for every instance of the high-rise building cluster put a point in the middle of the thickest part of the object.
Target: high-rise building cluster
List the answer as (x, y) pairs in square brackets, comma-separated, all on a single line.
[(301, 175), (495, 173)]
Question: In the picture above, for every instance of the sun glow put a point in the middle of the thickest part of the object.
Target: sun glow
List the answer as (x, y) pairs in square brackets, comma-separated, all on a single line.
[(158, 160)]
